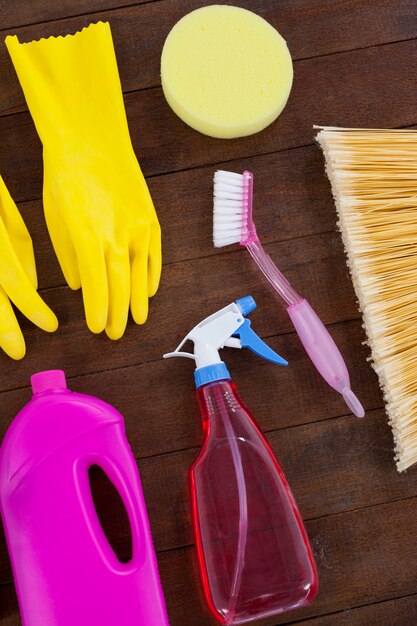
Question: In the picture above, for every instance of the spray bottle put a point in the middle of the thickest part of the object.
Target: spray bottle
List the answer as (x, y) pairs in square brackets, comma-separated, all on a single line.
[(253, 553)]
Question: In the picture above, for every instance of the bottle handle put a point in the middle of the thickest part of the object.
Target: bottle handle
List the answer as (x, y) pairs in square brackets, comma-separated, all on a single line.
[(133, 503)]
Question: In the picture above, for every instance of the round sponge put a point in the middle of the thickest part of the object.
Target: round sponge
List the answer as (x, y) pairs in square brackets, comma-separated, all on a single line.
[(225, 71)]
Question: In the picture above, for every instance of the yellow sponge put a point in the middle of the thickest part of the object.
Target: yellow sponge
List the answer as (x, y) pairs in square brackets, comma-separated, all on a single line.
[(226, 71)]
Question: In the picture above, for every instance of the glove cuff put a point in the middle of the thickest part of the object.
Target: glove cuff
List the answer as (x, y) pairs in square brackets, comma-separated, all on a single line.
[(71, 84)]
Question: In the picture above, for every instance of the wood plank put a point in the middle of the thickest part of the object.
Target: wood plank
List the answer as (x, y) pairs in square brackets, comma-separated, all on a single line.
[(321, 488), (337, 90), (325, 464), (16, 14), (311, 28), (334, 90), (356, 449), (341, 470), (311, 264), (363, 557), (398, 612), (301, 204), (157, 424)]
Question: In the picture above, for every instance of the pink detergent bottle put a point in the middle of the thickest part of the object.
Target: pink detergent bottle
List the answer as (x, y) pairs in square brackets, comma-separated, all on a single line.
[(254, 556), (65, 570)]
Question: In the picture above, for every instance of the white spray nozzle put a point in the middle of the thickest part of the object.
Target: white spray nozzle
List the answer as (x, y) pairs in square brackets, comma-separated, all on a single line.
[(210, 335), (225, 328)]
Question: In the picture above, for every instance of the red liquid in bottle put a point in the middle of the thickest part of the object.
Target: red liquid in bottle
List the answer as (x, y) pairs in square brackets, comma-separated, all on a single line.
[(254, 555)]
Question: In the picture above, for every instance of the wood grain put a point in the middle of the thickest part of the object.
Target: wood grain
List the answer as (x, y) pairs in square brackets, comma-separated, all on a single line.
[(311, 264), (344, 89), (300, 205), (354, 65), (338, 487), (157, 425), (311, 28), (397, 612), (15, 14), (363, 557), (353, 551)]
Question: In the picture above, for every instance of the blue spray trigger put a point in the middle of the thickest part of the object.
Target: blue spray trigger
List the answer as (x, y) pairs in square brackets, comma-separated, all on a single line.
[(249, 339)]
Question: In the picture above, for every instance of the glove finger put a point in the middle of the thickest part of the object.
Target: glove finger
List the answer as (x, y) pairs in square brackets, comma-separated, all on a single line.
[(139, 286), (92, 268), (11, 337), (18, 233), (62, 244), (118, 275), (154, 260), (22, 293)]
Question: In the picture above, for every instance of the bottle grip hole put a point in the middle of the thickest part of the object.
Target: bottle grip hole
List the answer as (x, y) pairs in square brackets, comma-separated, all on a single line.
[(111, 513)]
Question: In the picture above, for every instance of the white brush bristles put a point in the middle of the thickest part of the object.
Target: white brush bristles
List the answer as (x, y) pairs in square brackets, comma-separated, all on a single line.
[(373, 174), (228, 212)]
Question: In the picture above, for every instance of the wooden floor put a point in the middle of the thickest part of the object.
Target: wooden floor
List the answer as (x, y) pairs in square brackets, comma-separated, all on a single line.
[(355, 65)]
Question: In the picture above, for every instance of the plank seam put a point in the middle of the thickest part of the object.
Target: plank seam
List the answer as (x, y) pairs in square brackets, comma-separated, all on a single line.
[(147, 2), (75, 15), (350, 608), (207, 165)]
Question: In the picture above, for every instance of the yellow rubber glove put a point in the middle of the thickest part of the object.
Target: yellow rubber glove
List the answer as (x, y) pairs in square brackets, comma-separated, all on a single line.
[(98, 209), (18, 280)]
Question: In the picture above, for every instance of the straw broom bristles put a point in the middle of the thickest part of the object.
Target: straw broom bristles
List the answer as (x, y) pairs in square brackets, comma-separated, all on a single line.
[(373, 174)]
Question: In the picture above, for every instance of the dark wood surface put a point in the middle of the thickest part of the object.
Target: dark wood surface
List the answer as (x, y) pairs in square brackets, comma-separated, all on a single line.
[(355, 65)]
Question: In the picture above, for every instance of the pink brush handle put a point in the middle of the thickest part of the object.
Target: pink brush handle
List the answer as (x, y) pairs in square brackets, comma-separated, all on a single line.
[(314, 336), (323, 352), (270, 270)]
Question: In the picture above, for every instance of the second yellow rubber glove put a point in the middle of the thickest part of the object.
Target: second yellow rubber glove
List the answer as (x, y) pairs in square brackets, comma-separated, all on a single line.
[(18, 280), (98, 209)]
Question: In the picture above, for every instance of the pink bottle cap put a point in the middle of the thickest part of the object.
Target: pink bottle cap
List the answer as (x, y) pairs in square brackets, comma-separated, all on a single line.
[(48, 381)]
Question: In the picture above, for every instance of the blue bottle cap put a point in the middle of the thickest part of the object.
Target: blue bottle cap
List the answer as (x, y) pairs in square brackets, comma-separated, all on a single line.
[(246, 305), (211, 373)]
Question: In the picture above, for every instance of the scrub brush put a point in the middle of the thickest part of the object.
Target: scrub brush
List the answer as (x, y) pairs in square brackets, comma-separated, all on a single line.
[(373, 174), (233, 223)]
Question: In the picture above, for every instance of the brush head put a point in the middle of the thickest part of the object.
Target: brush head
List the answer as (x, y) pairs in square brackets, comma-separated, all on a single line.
[(232, 210), (373, 174)]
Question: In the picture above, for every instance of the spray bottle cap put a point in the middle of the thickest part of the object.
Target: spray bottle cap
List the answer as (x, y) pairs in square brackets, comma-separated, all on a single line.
[(226, 328)]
